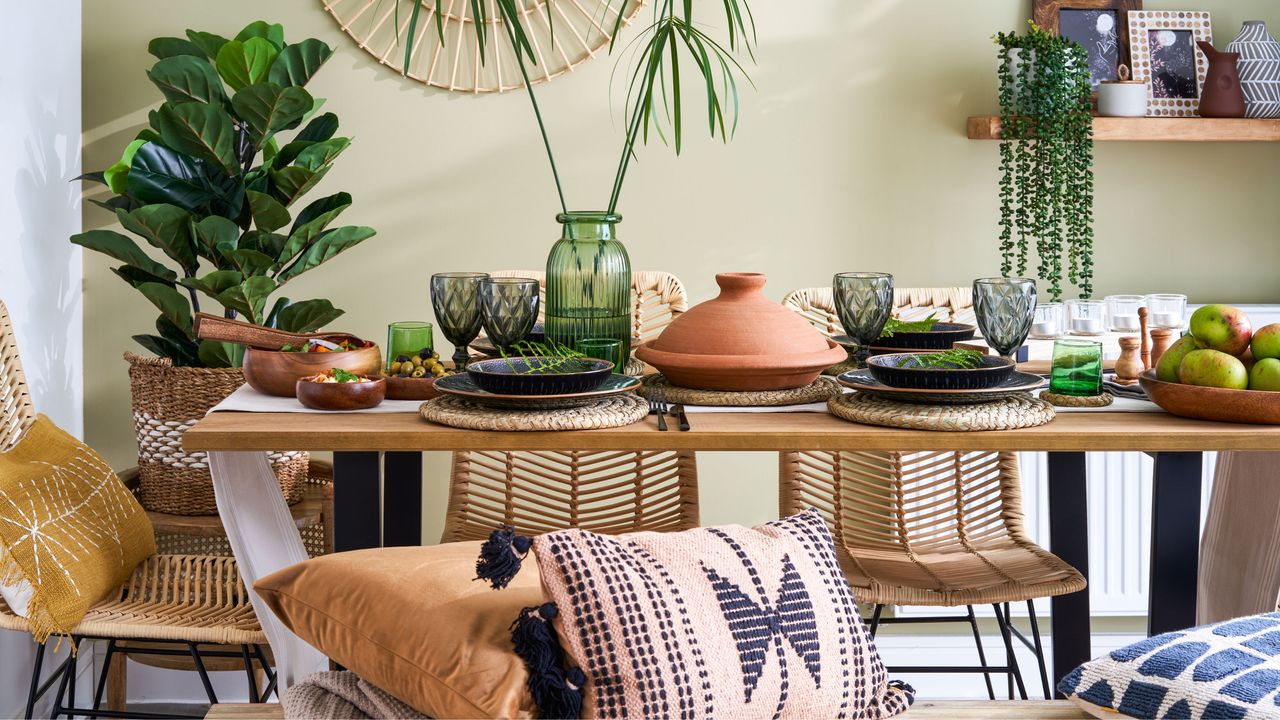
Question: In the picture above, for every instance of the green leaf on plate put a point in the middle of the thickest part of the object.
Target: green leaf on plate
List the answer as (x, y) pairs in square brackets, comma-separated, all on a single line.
[(307, 316), (186, 78), (268, 108), (202, 131), (122, 248), (242, 64), (298, 62)]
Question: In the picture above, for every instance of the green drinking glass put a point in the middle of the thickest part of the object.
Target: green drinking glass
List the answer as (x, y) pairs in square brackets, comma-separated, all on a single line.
[(1077, 368), (407, 338), (604, 349)]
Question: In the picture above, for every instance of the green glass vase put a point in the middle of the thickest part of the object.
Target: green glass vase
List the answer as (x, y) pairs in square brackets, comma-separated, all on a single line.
[(588, 282)]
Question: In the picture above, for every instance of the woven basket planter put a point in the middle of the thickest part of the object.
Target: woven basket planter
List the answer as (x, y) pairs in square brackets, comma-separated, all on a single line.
[(166, 401)]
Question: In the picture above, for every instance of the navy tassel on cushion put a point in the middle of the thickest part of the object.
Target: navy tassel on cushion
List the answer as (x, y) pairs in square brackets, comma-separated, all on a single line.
[(537, 644), (501, 555)]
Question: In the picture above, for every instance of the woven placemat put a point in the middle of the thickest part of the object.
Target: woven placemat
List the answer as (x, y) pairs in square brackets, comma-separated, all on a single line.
[(1092, 401), (615, 411), (821, 389), (844, 366), (634, 368), (1020, 411)]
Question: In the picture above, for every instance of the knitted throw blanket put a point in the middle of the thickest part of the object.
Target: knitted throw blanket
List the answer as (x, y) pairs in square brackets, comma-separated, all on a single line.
[(70, 531), (342, 696)]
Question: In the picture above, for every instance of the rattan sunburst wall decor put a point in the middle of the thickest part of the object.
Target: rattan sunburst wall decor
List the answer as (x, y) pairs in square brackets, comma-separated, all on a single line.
[(563, 33)]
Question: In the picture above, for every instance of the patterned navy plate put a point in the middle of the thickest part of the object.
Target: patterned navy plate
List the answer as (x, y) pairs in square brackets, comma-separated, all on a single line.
[(902, 370), (1017, 384), (463, 386)]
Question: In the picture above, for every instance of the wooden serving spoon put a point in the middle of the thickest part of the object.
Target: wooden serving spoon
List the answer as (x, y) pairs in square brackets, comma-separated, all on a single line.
[(215, 327)]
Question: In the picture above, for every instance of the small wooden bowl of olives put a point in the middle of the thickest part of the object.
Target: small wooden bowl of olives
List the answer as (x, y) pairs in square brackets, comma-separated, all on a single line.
[(413, 377)]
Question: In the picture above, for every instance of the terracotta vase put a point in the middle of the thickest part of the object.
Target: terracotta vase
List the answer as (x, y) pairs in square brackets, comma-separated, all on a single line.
[(741, 341), (1222, 96)]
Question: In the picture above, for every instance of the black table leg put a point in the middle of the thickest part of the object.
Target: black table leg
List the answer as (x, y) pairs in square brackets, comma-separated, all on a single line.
[(1175, 542), (356, 501), (402, 499), (1069, 540)]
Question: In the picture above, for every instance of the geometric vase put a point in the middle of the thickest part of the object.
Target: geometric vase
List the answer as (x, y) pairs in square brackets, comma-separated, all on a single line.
[(1259, 69)]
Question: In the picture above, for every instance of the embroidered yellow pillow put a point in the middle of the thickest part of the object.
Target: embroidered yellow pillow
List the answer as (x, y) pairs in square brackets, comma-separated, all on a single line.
[(70, 532)]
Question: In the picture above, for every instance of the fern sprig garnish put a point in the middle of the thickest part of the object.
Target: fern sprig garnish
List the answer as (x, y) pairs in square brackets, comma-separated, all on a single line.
[(948, 360), (541, 358), (894, 325)]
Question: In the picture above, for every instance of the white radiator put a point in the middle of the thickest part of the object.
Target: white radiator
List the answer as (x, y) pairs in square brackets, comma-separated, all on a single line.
[(1119, 517)]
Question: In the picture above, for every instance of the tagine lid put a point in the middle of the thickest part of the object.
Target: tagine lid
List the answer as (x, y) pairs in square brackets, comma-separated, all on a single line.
[(740, 321)]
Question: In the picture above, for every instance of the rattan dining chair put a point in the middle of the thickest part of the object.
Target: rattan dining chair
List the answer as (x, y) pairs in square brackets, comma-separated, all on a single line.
[(171, 606), (929, 529), (602, 491)]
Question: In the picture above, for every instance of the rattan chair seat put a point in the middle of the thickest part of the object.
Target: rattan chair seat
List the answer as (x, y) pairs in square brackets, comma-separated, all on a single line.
[(188, 598)]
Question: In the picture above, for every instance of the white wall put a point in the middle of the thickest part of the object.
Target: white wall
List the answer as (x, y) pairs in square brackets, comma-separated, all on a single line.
[(40, 273)]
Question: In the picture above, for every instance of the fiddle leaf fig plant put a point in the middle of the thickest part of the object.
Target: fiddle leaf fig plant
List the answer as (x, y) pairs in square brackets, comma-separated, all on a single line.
[(215, 188), (1046, 158)]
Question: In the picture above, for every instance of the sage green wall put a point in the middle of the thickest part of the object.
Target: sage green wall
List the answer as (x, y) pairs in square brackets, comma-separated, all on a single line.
[(850, 155)]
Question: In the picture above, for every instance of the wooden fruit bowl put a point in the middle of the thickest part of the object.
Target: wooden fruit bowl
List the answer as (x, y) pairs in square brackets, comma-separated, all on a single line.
[(273, 372), (1205, 403)]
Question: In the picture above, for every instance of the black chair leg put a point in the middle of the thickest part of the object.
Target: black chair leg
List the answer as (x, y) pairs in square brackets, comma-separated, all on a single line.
[(34, 692), (73, 670), (67, 670), (204, 674), (875, 620), (982, 654), (1040, 659), (270, 673), (249, 673), (1015, 676), (102, 677)]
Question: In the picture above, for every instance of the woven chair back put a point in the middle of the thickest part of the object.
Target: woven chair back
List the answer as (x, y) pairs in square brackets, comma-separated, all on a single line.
[(948, 304), (657, 298), (16, 411), (603, 491)]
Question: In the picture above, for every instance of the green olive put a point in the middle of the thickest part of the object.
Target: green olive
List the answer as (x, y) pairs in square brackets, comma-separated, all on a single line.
[(419, 372), (438, 371), (416, 360), (395, 368)]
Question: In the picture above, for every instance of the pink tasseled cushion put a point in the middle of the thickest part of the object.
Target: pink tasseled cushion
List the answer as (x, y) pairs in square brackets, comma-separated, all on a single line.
[(713, 622)]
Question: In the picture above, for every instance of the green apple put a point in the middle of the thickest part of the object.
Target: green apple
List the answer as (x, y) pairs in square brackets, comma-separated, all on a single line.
[(1213, 368), (1266, 342), (1265, 375), (1222, 327), (1167, 365)]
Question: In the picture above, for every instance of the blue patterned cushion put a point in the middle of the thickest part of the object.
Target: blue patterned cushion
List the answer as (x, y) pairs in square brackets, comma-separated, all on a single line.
[(1226, 670)]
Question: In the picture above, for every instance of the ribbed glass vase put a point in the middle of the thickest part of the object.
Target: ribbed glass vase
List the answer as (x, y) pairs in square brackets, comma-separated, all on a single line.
[(588, 282)]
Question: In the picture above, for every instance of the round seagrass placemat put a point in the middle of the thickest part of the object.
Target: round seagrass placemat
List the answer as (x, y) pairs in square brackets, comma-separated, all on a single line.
[(615, 411), (1092, 401), (821, 389), (1011, 413), (844, 366)]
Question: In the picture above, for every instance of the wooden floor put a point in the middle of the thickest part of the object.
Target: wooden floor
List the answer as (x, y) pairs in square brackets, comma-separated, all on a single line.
[(923, 710)]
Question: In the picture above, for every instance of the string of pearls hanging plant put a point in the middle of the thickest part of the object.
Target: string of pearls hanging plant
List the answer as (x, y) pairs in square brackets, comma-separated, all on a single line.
[(1046, 159)]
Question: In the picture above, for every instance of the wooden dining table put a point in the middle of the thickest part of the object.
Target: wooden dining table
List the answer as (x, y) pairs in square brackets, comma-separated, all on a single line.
[(387, 447)]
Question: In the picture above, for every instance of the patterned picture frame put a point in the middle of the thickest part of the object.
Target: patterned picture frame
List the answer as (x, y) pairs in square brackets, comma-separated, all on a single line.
[(1105, 55), (1169, 92)]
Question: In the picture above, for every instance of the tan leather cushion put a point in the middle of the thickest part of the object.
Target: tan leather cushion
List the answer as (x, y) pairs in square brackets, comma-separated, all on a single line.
[(412, 622)]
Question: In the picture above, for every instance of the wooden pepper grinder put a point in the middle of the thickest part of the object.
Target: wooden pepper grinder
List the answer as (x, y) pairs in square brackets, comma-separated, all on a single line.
[(1146, 342), (1129, 366)]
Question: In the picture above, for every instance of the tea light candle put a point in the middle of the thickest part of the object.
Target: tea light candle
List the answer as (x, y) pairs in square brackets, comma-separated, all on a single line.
[(1125, 322), (1044, 328), (1166, 320), (1086, 326)]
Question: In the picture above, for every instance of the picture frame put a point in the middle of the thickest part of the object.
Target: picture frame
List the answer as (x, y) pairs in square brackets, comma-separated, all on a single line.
[(1100, 26), (1165, 56)]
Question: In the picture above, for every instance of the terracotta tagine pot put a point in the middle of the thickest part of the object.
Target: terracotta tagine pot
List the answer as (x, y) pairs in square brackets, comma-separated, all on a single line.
[(741, 341)]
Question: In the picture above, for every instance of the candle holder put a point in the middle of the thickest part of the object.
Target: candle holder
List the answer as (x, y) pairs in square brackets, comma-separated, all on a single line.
[(1167, 311), (1088, 317), (1050, 321), (1122, 312)]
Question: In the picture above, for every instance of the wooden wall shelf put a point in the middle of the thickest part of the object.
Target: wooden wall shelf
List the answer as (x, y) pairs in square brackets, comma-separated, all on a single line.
[(987, 127)]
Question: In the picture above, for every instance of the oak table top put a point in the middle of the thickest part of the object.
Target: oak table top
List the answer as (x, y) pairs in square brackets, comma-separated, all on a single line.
[(1069, 432)]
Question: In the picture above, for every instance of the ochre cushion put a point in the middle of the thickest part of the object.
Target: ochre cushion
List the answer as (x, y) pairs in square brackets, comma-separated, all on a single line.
[(729, 622), (414, 623)]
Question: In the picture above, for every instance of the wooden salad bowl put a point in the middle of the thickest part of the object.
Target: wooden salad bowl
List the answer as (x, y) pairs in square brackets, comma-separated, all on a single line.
[(273, 372), (341, 396), (1255, 407)]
